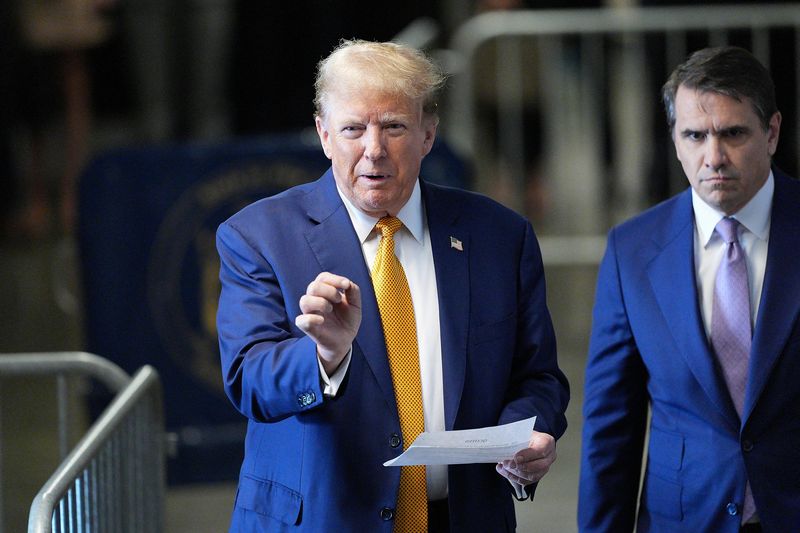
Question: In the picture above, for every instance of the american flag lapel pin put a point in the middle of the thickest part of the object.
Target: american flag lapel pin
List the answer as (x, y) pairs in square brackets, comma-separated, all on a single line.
[(455, 243)]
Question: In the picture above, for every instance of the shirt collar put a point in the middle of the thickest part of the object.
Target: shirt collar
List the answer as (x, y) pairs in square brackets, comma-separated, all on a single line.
[(410, 215), (755, 215)]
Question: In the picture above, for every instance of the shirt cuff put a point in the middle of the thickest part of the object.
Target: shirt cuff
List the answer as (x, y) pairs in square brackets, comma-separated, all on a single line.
[(333, 382)]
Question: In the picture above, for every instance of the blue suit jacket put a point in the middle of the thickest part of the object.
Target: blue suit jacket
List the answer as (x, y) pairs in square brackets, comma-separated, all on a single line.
[(649, 345), (314, 463)]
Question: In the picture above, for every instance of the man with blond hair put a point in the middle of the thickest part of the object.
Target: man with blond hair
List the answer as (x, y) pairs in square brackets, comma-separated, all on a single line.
[(365, 307)]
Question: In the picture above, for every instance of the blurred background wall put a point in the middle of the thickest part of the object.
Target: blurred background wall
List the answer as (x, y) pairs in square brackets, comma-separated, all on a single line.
[(130, 128)]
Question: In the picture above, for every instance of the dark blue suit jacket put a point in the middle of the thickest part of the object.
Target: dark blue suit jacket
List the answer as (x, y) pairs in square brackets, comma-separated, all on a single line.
[(649, 346), (314, 463)]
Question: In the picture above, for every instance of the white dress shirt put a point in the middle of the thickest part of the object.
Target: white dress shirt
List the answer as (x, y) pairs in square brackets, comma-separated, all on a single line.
[(412, 246), (709, 248)]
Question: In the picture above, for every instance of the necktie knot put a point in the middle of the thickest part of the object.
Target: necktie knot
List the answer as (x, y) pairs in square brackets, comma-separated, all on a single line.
[(388, 225), (728, 229)]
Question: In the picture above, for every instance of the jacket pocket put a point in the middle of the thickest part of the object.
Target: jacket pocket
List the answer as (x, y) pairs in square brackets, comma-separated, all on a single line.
[(270, 499), (662, 497), (663, 490)]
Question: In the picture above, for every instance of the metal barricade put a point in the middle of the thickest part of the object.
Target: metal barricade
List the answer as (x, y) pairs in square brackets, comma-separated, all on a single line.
[(582, 89), (113, 479)]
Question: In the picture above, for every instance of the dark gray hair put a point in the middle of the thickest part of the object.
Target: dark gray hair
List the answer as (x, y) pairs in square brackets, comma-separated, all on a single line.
[(726, 70)]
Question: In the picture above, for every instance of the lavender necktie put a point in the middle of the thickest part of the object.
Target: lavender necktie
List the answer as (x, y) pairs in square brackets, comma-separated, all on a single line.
[(730, 324), (730, 316)]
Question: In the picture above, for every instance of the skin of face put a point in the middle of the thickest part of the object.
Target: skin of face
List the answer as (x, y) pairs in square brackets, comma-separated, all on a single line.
[(723, 147), (376, 143)]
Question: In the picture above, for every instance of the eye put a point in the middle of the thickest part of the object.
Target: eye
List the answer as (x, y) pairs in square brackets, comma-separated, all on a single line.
[(395, 127), (694, 136), (734, 132), (352, 131)]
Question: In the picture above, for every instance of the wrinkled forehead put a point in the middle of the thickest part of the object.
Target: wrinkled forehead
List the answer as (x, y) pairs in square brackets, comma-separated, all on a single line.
[(693, 102), (368, 95)]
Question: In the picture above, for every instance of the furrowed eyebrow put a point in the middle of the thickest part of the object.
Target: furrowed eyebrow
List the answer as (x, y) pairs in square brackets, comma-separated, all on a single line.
[(735, 128), (388, 118), (724, 131)]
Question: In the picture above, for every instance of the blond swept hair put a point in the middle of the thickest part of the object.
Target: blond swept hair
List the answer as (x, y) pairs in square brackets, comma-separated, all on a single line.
[(386, 68)]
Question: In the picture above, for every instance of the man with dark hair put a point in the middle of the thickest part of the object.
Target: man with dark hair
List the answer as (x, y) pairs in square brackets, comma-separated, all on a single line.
[(696, 316)]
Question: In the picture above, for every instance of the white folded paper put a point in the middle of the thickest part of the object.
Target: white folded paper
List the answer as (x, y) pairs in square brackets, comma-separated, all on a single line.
[(483, 445)]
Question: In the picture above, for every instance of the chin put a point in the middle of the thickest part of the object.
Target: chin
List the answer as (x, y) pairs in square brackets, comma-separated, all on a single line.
[(377, 200), (371, 208)]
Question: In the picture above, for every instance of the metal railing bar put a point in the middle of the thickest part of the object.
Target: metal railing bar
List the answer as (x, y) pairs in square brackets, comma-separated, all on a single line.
[(2, 491), (470, 36), (46, 364), (618, 20), (62, 391), (90, 445)]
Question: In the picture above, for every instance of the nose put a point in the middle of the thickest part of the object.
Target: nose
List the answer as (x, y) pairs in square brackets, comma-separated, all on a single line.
[(374, 147), (715, 153)]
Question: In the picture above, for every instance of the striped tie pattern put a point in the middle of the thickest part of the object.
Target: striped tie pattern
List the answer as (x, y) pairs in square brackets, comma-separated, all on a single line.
[(400, 333)]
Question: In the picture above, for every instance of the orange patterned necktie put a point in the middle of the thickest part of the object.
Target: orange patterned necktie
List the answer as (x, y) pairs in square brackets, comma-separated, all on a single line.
[(400, 333)]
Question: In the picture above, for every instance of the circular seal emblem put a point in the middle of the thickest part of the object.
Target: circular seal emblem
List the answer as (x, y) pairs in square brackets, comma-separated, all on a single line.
[(183, 269)]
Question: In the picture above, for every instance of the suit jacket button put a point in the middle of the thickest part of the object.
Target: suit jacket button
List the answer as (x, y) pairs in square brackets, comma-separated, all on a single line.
[(387, 513), (732, 509), (394, 440), (747, 445), (307, 398)]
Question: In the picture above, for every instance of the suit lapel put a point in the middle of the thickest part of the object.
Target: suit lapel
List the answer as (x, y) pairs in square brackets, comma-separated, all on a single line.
[(780, 296), (452, 283), (335, 244), (672, 277)]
